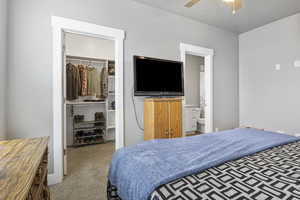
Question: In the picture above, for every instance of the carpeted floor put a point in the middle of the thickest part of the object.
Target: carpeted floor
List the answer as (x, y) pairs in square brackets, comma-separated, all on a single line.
[(87, 173)]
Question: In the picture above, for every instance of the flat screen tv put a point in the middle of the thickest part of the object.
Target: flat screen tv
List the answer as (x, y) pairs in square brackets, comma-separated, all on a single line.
[(157, 77)]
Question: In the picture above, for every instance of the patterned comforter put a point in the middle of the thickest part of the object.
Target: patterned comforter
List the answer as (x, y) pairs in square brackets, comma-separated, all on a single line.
[(270, 174)]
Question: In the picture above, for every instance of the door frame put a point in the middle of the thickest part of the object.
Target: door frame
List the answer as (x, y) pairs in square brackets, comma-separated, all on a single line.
[(61, 25), (208, 55)]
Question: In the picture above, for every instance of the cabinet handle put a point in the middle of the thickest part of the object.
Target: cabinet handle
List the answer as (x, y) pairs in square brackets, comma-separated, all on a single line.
[(171, 132), (166, 132)]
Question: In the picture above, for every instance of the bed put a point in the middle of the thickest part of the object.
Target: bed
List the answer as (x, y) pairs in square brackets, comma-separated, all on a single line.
[(238, 164)]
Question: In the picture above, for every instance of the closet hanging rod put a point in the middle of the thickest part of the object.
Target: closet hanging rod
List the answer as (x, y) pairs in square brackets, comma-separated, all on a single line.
[(70, 60), (87, 58)]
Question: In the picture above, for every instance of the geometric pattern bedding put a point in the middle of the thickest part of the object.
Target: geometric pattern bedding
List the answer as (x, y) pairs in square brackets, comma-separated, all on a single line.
[(267, 175)]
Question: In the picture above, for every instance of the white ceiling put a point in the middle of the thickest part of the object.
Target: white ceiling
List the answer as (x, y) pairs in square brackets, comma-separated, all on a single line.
[(254, 13)]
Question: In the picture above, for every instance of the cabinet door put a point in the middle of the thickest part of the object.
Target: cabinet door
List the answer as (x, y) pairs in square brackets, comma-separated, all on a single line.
[(175, 116), (161, 120)]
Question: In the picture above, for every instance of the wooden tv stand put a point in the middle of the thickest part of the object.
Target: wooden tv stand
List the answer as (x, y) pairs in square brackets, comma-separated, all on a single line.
[(162, 118)]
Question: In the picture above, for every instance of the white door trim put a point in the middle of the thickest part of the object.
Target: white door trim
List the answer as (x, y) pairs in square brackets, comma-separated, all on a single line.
[(59, 26), (208, 55)]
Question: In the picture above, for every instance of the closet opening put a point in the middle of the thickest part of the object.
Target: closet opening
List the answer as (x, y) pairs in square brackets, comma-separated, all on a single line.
[(89, 106), (67, 34), (89, 111)]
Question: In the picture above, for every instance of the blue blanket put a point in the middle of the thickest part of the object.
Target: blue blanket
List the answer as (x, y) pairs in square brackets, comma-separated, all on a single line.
[(138, 170)]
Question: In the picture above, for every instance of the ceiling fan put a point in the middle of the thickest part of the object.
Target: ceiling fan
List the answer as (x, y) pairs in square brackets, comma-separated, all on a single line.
[(234, 4)]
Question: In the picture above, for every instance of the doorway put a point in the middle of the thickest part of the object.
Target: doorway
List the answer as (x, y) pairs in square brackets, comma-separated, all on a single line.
[(62, 26), (89, 93), (198, 99)]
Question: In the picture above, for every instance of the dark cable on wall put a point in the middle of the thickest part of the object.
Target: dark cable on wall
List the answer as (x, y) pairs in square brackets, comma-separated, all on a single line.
[(135, 113)]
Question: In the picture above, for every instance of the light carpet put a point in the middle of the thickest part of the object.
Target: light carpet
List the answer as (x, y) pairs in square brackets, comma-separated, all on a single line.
[(87, 173)]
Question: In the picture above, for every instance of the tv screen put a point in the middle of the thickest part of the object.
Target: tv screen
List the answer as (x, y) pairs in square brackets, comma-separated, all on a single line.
[(157, 77)]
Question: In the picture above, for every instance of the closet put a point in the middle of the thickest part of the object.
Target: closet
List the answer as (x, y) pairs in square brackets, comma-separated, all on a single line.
[(91, 115), (89, 91)]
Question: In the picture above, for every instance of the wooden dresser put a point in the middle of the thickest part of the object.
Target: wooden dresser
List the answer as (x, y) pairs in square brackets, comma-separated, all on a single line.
[(162, 118), (23, 169)]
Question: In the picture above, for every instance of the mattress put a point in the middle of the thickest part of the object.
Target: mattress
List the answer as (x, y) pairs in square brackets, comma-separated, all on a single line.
[(270, 174)]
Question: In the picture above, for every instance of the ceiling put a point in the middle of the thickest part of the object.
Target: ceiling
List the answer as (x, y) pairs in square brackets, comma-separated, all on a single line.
[(254, 13)]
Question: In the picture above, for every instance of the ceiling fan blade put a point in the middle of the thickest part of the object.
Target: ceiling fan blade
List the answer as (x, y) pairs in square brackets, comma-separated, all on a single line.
[(191, 3), (238, 4)]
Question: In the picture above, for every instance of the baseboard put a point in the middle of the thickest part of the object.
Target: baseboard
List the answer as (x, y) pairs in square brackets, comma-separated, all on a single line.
[(52, 179)]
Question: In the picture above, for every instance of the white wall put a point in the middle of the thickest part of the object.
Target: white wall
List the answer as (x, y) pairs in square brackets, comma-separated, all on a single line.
[(192, 80), (3, 65), (268, 98), (78, 45), (149, 32)]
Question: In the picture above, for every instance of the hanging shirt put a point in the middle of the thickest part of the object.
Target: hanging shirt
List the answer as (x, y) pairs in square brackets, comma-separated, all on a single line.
[(103, 83), (77, 82), (97, 83), (84, 80), (91, 81), (73, 81), (70, 95)]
